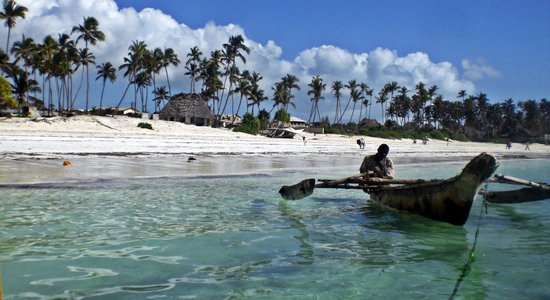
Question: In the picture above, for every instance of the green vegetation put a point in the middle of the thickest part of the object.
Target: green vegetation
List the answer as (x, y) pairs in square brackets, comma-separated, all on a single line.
[(250, 125), (145, 125), (282, 115), (6, 99)]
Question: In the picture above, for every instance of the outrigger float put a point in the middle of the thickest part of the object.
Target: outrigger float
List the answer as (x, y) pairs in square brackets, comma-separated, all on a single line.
[(447, 200)]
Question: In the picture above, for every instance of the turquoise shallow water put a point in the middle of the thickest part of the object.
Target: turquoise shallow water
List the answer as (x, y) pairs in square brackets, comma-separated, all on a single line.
[(232, 237)]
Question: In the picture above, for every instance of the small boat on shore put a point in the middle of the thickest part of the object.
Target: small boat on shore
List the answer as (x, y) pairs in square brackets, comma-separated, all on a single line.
[(286, 133), (446, 200)]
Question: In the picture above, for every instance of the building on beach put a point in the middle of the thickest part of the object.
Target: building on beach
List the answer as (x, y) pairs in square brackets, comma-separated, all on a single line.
[(188, 109)]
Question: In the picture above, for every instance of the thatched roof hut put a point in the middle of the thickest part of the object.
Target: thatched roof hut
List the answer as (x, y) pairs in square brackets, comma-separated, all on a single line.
[(189, 109)]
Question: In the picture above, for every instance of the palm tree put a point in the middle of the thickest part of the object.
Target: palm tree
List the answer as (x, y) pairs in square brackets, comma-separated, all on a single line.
[(256, 94), (244, 88), (105, 71), (61, 69), (192, 66), (24, 50), (169, 57), (390, 88), (85, 59), (382, 98), (336, 87), (232, 50), (133, 64), (355, 96), (482, 107), (363, 87), (22, 85), (317, 87), (11, 12), (290, 82), (90, 34), (161, 94), (351, 86), (4, 61)]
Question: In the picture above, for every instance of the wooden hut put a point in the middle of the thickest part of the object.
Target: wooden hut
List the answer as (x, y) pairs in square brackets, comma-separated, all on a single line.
[(188, 109)]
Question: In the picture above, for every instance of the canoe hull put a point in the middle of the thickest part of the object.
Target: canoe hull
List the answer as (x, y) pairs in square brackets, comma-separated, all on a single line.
[(447, 201)]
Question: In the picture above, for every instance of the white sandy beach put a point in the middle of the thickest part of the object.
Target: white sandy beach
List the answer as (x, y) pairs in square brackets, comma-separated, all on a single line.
[(112, 145)]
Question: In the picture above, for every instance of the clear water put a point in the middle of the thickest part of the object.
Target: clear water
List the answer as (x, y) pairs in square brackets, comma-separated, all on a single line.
[(232, 237)]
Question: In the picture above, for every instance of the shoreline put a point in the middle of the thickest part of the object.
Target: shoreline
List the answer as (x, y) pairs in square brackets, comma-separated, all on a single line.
[(33, 151)]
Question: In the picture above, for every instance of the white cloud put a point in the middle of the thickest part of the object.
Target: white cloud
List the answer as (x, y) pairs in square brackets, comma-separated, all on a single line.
[(158, 29), (478, 70)]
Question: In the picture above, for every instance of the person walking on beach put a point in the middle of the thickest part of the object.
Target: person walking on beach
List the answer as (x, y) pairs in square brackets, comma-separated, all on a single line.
[(361, 143), (380, 164), (527, 146)]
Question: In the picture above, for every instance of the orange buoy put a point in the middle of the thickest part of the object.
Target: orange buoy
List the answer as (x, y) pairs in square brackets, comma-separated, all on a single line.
[(67, 163)]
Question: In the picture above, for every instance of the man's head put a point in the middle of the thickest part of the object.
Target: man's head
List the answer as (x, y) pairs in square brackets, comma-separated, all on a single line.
[(383, 150)]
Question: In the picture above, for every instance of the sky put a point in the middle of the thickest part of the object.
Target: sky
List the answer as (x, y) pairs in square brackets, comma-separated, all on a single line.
[(500, 48)]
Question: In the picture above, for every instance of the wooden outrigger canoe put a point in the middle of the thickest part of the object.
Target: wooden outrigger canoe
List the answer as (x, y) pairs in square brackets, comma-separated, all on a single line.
[(535, 191), (446, 200)]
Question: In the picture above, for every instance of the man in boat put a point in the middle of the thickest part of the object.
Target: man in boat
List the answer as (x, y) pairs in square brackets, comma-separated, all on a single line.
[(379, 163)]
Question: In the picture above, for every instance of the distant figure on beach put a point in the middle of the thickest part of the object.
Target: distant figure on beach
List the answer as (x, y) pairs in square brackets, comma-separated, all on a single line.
[(527, 146), (379, 163), (509, 144), (361, 143), (305, 139), (425, 140)]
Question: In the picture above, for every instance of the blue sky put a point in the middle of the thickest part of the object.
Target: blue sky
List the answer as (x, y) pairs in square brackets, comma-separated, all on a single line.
[(513, 37), (501, 48)]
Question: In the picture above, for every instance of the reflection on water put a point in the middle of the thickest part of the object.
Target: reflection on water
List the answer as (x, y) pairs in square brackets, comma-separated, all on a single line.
[(233, 237)]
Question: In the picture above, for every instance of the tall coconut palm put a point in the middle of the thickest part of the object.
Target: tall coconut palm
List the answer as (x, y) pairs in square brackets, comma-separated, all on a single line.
[(244, 88), (232, 50), (22, 85), (105, 71), (192, 66), (89, 32), (192, 72), (317, 87), (290, 82), (24, 51), (85, 58), (336, 87), (161, 94), (256, 93), (280, 95), (4, 61), (11, 12), (169, 57), (382, 98), (60, 67), (363, 87), (390, 88), (351, 86), (482, 107), (257, 96), (133, 64)]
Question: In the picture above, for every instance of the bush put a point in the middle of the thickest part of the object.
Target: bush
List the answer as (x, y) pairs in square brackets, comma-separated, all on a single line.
[(282, 116), (145, 125), (250, 125)]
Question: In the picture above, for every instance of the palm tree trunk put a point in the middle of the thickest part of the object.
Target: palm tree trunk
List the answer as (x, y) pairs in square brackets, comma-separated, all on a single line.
[(123, 95), (101, 98), (168, 81), (87, 87)]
